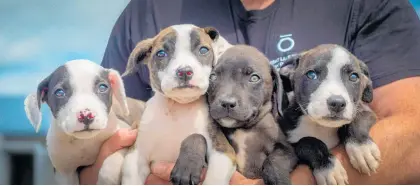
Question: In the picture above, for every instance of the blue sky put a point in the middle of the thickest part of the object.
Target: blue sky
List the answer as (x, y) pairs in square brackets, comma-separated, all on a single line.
[(36, 36)]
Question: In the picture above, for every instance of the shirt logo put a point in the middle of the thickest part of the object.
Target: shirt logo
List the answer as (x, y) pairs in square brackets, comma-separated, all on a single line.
[(284, 46)]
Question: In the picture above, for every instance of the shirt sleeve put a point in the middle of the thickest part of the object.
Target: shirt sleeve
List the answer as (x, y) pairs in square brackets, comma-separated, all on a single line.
[(386, 36), (118, 49)]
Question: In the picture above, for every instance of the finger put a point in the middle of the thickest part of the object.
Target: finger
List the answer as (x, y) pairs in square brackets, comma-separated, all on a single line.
[(122, 138), (155, 180), (239, 179), (162, 170)]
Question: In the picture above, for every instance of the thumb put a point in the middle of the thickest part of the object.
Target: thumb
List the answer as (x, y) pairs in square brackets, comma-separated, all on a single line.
[(162, 170)]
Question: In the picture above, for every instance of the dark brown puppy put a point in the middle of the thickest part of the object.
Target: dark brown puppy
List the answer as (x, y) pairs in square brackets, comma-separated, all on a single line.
[(241, 100)]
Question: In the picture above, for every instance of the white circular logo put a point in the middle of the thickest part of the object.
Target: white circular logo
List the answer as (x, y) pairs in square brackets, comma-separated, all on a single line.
[(286, 43)]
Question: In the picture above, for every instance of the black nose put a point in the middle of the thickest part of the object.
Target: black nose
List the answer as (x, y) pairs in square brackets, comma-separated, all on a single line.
[(184, 73), (336, 103), (228, 103)]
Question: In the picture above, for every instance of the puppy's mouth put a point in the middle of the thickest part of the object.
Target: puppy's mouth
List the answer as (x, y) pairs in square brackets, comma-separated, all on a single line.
[(185, 86)]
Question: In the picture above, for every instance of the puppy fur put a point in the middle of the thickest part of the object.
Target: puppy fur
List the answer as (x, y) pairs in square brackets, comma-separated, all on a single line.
[(331, 90), (176, 123), (241, 99), (72, 142)]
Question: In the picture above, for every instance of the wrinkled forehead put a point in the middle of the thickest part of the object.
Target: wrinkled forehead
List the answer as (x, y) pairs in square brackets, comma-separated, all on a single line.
[(329, 56), (243, 58), (182, 37), (78, 75)]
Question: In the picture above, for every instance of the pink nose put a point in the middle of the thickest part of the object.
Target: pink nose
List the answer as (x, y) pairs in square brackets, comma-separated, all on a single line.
[(86, 117)]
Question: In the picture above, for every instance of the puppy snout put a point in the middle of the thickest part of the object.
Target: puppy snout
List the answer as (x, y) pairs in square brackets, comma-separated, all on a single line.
[(336, 103), (184, 73), (86, 117), (229, 103)]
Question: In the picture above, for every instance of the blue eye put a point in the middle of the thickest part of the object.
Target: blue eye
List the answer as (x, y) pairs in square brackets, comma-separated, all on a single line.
[(161, 53), (102, 88), (59, 93), (354, 77), (311, 74), (203, 50)]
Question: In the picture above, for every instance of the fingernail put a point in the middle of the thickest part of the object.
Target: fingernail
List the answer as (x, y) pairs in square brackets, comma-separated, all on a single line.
[(157, 167)]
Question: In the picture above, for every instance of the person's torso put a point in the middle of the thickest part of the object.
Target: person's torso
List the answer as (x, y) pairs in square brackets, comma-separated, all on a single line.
[(283, 29)]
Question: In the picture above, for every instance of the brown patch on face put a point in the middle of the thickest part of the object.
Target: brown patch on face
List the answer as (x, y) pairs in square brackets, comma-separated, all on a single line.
[(200, 38)]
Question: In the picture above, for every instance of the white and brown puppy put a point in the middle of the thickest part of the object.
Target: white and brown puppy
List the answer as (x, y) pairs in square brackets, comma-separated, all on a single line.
[(79, 94), (175, 125), (332, 89), (243, 88)]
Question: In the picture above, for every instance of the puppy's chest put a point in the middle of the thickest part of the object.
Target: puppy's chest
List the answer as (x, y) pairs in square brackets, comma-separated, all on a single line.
[(164, 126), (308, 128), (251, 147), (68, 154)]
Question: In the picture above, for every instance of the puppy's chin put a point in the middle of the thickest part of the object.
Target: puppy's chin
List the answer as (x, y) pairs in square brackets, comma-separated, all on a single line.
[(228, 122), (184, 95), (330, 122), (85, 134)]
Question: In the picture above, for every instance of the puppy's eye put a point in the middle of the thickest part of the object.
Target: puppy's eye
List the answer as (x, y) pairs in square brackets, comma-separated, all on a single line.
[(213, 77), (59, 93), (204, 50), (102, 88), (311, 74), (354, 77), (254, 78), (161, 53)]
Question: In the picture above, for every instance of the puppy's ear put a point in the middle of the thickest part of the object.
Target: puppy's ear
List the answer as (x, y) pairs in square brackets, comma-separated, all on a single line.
[(287, 70), (279, 97), (367, 95), (33, 103), (139, 55), (220, 44), (118, 89)]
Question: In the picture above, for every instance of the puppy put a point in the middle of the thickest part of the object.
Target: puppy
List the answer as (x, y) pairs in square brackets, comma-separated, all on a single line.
[(175, 125), (240, 99), (331, 92), (79, 94)]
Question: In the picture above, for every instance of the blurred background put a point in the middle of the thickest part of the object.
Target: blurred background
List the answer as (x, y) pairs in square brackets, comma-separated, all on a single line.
[(35, 38)]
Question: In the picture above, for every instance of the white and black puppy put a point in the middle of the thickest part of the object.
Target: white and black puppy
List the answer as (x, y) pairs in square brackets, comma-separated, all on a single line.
[(241, 100), (175, 125), (331, 92), (79, 94)]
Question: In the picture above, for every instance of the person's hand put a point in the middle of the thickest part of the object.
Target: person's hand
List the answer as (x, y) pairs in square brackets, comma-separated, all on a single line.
[(160, 175), (302, 175), (121, 139)]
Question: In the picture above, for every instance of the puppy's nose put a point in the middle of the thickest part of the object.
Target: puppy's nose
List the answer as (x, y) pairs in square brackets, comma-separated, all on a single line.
[(228, 103), (184, 73), (336, 103), (86, 117)]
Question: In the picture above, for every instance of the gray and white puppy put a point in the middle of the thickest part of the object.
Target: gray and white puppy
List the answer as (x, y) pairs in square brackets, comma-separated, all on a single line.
[(241, 100), (175, 125), (331, 91), (79, 94)]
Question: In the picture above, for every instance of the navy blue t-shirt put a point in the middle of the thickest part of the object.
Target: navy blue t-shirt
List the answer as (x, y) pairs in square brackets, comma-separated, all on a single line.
[(383, 33)]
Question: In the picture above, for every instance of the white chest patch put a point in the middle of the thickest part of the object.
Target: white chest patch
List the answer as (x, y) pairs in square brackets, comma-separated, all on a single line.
[(308, 128), (165, 124)]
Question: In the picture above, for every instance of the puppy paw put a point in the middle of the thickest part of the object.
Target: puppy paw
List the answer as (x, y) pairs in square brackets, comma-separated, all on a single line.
[(187, 172), (364, 157), (334, 174)]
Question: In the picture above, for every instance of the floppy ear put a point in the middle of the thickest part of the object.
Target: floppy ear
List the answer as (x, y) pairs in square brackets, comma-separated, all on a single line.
[(33, 103), (118, 90), (279, 97), (139, 55), (367, 95), (287, 70), (220, 44)]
